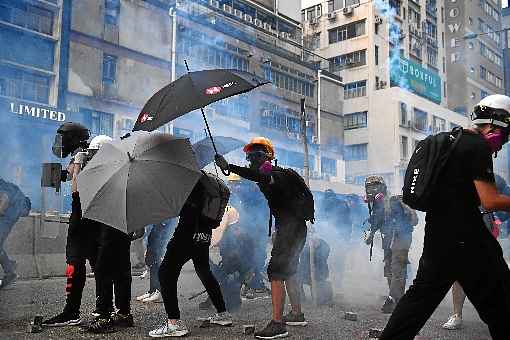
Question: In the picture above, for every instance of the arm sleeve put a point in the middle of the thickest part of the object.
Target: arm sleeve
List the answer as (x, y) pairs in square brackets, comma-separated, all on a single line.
[(250, 174), (480, 164), (76, 214)]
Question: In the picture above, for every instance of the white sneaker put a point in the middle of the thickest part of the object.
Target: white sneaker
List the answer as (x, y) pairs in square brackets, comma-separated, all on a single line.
[(453, 323), (144, 275), (154, 297), (143, 297), (222, 319), (170, 330)]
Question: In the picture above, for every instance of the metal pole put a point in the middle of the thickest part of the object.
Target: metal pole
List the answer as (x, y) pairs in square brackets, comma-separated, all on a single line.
[(319, 76), (305, 142), (173, 14)]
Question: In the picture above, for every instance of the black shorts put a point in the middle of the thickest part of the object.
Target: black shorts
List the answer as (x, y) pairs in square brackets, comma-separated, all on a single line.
[(288, 244)]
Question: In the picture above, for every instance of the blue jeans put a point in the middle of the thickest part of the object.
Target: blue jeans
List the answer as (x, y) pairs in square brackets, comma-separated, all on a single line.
[(156, 247), (5, 228)]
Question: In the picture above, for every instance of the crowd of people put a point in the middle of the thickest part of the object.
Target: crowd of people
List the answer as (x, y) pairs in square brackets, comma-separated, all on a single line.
[(463, 221)]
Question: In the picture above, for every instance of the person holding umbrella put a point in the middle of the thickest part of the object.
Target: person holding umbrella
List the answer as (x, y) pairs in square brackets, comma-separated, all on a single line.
[(190, 241), (283, 190)]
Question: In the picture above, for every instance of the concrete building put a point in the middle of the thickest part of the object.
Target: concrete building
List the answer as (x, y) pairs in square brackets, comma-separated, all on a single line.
[(505, 24), (391, 56), (475, 62)]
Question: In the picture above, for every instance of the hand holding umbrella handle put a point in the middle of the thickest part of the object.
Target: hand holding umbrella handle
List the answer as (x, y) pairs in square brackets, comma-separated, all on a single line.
[(222, 163)]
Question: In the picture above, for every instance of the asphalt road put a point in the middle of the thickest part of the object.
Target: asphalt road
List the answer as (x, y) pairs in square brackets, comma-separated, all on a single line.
[(20, 302)]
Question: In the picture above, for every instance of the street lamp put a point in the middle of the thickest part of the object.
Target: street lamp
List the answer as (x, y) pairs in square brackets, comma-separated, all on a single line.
[(473, 35)]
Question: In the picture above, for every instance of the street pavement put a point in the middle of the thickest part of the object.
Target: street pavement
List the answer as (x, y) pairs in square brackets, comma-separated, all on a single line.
[(21, 302)]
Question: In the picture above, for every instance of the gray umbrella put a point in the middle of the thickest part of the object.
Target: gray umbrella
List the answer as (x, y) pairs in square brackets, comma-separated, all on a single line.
[(142, 179)]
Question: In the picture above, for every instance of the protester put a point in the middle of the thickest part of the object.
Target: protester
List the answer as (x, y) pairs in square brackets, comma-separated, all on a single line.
[(492, 222), (13, 205), (157, 240), (190, 241), (284, 197), (316, 251), (454, 225)]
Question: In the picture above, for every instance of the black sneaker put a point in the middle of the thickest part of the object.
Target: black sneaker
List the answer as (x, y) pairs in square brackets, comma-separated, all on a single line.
[(122, 320), (63, 319), (389, 305), (99, 325), (97, 312), (273, 330), (293, 319)]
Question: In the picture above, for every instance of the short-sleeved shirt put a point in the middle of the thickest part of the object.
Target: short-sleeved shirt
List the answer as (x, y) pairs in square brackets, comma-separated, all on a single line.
[(455, 216)]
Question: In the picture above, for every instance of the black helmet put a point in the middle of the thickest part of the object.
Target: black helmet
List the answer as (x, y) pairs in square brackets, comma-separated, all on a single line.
[(70, 136)]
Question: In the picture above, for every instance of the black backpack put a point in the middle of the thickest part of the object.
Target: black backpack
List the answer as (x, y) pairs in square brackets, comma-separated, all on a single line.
[(425, 166), (302, 197), (215, 198)]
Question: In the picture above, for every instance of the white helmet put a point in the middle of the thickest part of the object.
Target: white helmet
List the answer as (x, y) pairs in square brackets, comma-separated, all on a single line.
[(98, 141), (493, 109)]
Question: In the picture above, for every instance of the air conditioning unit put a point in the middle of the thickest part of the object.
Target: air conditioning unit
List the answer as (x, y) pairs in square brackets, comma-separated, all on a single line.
[(378, 20), (266, 26), (314, 21), (258, 23), (332, 15), (248, 18), (214, 3), (348, 11), (238, 13), (284, 35), (227, 8)]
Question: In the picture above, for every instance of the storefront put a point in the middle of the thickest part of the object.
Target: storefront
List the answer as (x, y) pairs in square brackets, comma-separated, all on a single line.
[(27, 132)]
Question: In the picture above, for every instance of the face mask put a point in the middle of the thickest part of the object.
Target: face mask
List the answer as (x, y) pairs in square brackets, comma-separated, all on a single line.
[(495, 140)]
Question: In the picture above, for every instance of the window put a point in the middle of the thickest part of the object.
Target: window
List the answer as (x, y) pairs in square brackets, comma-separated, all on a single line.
[(351, 3), (489, 9), (376, 55), (432, 57), (354, 59), (483, 94), (101, 123), (24, 85), (420, 120), (25, 15), (490, 32), (404, 146), (290, 83), (349, 31), (355, 89), (109, 68), (328, 166), (403, 114), (111, 11), (279, 118), (490, 77), (355, 120), (356, 152), (396, 5), (334, 5), (438, 124), (490, 54), (313, 42)]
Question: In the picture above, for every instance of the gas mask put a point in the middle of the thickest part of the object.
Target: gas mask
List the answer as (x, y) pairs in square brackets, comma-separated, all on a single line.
[(258, 160)]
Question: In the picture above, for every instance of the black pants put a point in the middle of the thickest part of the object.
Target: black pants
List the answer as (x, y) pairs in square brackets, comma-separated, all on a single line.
[(5, 228), (113, 269), (180, 250), (481, 271)]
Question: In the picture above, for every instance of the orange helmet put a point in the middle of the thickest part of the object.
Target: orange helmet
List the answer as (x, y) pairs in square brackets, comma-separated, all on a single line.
[(265, 142)]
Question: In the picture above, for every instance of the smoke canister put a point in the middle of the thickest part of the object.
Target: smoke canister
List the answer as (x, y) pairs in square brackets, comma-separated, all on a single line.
[(248, 329), (351, 316)]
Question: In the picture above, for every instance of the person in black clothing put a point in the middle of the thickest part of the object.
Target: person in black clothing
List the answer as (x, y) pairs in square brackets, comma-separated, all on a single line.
[(290, 237), (454, 225), (190, 241)]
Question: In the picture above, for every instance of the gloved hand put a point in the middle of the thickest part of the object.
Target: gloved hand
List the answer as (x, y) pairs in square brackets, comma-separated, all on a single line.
[(221, 162)]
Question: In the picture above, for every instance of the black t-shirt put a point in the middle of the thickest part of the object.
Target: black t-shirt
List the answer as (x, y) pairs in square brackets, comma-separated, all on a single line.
[(455, 216)]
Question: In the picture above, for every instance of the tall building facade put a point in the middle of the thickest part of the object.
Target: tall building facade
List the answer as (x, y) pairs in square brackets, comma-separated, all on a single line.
[(391, 56), (476, 62), (505, 24)]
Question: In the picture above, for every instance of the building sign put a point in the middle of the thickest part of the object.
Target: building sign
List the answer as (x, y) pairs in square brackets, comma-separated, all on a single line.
[(413, 77), (36, 112)]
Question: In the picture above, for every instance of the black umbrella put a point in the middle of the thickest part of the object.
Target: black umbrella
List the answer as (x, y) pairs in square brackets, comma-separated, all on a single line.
[(193, 91), (204, 149)]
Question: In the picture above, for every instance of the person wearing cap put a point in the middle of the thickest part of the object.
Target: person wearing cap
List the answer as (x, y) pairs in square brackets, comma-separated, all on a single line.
[(291, 230), (454, 226)]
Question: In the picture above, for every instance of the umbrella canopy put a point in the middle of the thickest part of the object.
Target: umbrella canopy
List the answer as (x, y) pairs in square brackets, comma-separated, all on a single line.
[(204, 149), (142, 179), (193, 91)]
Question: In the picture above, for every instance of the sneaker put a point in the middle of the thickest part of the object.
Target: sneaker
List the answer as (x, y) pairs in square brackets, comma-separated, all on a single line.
[(97, 313), (100, 325), (143, 296), (122, 320), (389, 305), (170, 330), (154, 297), (453, 323), (222, 319), (293, 319), (63, 319), (8, 279), (273, 330)]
